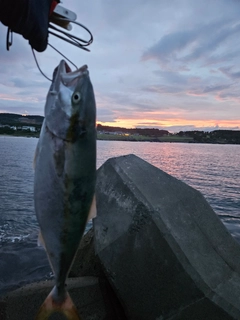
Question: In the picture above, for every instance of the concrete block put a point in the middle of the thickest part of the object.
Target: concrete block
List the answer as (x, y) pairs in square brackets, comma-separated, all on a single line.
[(86, 262), (163, 249)]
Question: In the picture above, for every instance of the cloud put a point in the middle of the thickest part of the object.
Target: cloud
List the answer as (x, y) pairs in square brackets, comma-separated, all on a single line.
[(105, 115), (194, 43), (162, 89), (151, 62), (174, 78), (168, 46), (180, 85), (209, 89), (229, 73)]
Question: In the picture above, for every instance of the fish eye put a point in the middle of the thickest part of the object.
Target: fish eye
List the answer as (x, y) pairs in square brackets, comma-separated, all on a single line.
[(76, 97)]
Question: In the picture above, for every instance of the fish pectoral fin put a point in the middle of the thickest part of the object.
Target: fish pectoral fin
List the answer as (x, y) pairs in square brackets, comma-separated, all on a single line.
[(93, 209), (40, 241), (49, 307)]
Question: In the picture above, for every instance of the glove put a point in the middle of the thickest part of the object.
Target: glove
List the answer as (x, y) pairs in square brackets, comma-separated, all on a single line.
[(30, 18)]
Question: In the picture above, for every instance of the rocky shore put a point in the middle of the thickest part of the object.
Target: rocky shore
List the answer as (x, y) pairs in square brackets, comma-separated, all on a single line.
[(157, 251)]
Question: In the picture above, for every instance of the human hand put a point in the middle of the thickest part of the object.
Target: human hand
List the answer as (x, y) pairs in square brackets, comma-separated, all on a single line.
[(30, 18)]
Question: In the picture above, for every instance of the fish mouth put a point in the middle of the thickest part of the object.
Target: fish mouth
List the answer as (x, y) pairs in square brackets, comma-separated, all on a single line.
[(63, 119), (63, 73)]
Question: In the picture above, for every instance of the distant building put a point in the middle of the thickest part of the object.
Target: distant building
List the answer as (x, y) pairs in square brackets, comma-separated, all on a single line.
[(28, 128)]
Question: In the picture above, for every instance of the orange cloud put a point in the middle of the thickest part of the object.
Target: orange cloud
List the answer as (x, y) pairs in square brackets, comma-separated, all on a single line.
[(165, 124)]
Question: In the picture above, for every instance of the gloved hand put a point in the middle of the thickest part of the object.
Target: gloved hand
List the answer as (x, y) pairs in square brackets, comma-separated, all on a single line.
[(30, 18)]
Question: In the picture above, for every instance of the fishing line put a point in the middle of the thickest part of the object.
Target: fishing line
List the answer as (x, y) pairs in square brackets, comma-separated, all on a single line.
[(35, 58), (39, 66), (62, 55)]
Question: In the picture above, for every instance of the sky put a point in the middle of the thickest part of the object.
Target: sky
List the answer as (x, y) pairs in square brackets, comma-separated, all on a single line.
[(167, 64)]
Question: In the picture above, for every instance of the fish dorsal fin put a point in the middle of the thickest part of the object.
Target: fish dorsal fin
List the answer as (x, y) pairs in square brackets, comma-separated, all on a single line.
[(40, 241), (93, 209)]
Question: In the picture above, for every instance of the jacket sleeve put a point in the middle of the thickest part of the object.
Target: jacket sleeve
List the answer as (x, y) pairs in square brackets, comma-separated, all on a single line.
[(30, 18)]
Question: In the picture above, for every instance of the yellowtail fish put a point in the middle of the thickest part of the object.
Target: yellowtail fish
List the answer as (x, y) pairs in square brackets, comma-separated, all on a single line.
[(65, 176)]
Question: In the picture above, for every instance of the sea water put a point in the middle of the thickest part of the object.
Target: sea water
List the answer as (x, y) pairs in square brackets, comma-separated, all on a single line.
[(211, 169)]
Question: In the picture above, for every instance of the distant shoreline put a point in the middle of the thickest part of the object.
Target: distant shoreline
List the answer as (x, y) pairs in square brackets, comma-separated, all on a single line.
[(30, 126), (111, 137)]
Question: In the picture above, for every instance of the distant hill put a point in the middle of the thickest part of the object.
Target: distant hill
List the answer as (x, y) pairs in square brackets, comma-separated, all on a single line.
[(13, 119), (150, 132), (216, 136)]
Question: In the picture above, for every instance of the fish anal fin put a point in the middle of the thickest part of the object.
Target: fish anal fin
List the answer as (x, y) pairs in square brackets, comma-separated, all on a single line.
[(93, 209), (66, 308), (40, 241)]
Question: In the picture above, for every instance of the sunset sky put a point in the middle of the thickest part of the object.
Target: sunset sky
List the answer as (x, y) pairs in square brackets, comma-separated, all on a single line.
[(167, 64)]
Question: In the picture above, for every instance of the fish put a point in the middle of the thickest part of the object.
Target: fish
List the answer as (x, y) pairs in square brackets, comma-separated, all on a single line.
[(65, 178)]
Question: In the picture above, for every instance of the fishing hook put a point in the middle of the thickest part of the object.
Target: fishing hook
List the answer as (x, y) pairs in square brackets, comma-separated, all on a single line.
[(70, 38)]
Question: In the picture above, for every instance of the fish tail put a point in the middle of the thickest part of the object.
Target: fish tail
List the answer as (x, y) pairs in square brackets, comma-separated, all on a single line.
[(49, 307)]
